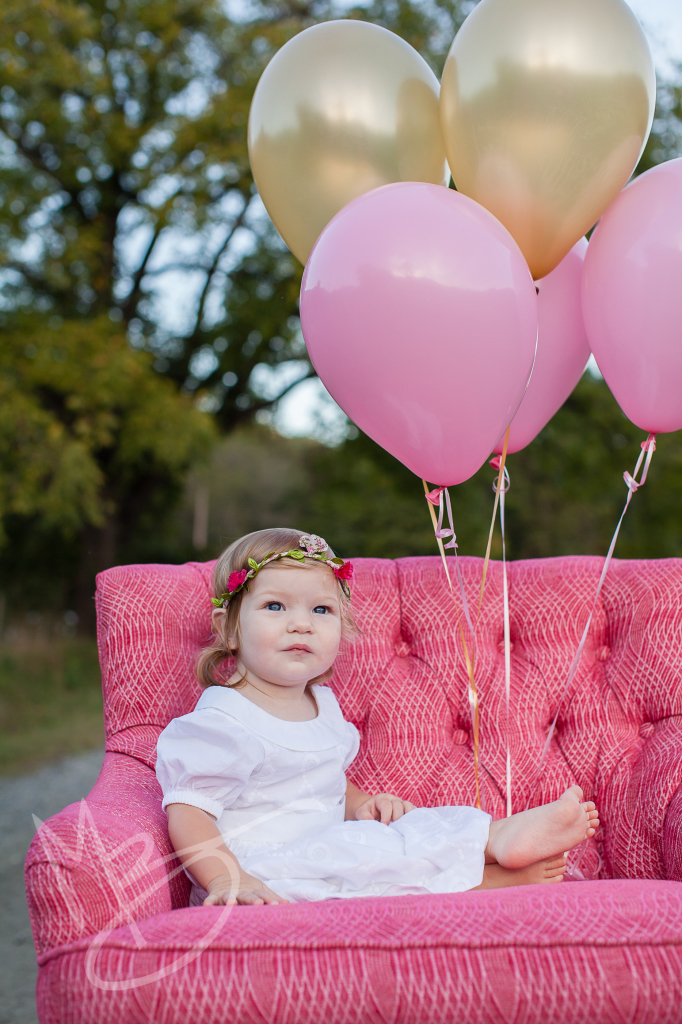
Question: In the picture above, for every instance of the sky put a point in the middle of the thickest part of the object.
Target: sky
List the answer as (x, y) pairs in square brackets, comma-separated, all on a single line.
[(308, 409), (662, 22)]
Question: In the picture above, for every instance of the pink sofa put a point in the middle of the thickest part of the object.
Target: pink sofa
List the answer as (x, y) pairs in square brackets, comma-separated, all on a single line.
[(117, 943)]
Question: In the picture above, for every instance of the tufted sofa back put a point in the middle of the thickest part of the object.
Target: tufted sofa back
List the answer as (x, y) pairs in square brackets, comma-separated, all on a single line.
[(404, 684)]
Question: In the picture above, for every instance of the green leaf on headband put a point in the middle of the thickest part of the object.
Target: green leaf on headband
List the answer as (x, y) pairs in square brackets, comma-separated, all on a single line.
[(337, 561), (253, 564), (296, 554), (217, 601)]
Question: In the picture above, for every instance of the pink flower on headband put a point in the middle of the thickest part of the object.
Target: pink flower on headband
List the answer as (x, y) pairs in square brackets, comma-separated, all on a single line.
[(343, 572), (236, 579), (312, 544)]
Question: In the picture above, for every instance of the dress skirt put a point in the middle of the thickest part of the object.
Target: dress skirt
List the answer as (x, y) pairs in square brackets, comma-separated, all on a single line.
[(428, 850)]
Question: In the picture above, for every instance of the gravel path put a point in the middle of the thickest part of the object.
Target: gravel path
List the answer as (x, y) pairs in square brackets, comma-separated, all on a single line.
[(42, 793)]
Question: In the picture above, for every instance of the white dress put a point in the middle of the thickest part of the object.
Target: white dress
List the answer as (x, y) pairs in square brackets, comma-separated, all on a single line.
[(277, 790)]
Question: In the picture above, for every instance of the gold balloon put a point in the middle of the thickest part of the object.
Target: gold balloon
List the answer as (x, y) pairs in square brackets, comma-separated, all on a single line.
[(342, 108), (546, 106)]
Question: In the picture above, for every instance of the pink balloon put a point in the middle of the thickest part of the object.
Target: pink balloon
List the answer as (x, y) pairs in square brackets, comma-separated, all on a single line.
[(563, 349), (420, 316), (632, 298)]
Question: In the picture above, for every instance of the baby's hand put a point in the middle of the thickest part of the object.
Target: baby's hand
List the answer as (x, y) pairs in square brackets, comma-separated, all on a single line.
[(383, 807), (249, 891)]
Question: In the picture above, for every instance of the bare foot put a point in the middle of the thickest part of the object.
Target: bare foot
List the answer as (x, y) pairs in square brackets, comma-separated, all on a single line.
[(497, 877), (542, 832)]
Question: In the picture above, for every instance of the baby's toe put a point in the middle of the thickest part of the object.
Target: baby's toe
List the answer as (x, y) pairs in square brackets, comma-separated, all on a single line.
[(589, 805)]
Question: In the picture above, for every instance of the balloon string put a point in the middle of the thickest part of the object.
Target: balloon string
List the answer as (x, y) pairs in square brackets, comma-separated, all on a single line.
[(632, 483), (432, 497), (495, 463), (436, 496), (507, 645), (500, 478)]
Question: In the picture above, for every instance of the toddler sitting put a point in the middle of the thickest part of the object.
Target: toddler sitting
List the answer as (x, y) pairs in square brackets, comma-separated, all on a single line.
[(259, 807)]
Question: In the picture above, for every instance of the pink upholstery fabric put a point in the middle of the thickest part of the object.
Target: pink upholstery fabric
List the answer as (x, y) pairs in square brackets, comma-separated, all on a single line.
[(566, 954), (600, 951)]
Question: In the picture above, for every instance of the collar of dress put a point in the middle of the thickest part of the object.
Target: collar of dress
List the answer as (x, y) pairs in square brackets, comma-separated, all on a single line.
[(319, 733)]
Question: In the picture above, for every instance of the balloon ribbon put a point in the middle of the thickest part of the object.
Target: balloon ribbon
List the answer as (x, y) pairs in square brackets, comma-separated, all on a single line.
[(632, 483), (495, 463), (435, 497)]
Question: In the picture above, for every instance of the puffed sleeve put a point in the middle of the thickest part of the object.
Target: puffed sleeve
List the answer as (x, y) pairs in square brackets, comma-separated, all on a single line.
[(206, 759), (353, 744)]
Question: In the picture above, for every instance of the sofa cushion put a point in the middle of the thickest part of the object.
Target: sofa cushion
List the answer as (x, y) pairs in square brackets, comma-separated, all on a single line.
[(470, 958)]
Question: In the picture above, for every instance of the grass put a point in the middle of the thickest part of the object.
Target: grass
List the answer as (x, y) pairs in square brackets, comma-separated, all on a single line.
[(50, 697)]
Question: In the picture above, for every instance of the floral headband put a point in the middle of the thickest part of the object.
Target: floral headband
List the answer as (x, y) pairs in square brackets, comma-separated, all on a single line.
[(313, 547)]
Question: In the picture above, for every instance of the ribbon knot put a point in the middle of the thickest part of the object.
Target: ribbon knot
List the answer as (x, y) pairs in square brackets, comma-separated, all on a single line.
[(504, 484), (434, 495), (436, 498), (648, 448)]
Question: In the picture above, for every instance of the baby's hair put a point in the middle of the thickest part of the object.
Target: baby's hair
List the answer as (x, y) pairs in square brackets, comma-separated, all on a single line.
[(257, 546)]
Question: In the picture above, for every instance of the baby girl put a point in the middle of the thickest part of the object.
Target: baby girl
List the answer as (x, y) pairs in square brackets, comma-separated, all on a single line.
[(254, 785)]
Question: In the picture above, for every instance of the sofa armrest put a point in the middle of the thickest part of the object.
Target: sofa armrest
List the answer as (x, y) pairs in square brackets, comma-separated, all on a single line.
[(641, 805), (672, 838), (105, 861)]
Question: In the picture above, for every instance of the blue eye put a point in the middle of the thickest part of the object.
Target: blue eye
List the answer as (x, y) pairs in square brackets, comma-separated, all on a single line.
[(320, 609), (274, 606)]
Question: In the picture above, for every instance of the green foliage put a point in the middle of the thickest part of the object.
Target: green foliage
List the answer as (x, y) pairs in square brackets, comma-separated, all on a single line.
[(567, 491), (124, 178), (125, 160), (94, 447), (92, 440), (83, 421), (124, 126)]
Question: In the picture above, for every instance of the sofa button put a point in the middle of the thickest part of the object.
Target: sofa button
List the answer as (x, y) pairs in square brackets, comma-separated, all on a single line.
[(460, 737), (500, 646), (646, 730), (603, 654), (402, 649)]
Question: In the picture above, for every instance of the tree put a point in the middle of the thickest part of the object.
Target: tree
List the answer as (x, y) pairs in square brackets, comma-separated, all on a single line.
[(123, 171), (91, 443), (126, 162), (124, 181), (567, 491)]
